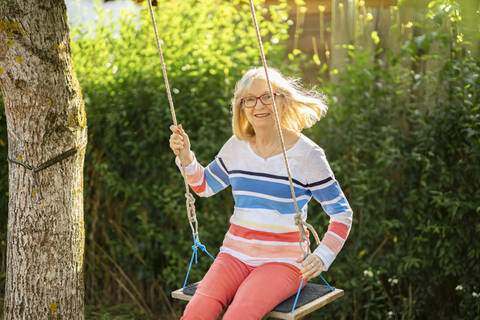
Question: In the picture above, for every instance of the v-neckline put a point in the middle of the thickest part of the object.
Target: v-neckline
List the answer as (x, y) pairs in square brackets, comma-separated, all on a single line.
[(275, 155)]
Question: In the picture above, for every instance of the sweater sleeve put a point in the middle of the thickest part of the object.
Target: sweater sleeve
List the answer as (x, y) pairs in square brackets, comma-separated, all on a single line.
[(326, 190), (206, 181)]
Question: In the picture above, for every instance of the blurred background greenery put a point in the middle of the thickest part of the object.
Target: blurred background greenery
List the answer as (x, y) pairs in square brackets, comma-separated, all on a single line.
[(402, 135)]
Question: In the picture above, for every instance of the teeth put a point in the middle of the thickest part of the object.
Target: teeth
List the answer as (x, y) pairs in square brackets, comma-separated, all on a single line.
[(262, 115)]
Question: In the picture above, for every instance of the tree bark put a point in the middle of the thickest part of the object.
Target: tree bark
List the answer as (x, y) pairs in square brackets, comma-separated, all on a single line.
[(45, 117)]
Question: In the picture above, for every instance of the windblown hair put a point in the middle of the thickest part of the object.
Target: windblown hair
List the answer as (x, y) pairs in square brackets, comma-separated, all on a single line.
[(302, 108)]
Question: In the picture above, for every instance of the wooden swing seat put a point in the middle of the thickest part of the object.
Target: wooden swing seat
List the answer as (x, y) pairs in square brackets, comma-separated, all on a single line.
[(312, 297)]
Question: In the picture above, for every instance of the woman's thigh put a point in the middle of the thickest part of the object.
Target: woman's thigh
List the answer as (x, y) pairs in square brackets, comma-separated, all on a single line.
[(265, 287), (217, 288)]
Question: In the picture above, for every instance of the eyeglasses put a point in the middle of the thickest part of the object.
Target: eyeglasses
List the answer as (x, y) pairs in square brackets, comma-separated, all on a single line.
[(251, 102)]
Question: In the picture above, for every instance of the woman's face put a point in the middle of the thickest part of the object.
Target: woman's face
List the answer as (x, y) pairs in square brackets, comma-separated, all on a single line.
[(261, 116)]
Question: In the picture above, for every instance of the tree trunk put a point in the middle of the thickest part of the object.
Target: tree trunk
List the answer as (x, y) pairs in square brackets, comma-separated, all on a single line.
[(45, 117)]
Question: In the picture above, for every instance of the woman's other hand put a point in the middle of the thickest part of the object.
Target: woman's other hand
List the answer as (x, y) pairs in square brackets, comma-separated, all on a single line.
[(312, 266), (180, 145)]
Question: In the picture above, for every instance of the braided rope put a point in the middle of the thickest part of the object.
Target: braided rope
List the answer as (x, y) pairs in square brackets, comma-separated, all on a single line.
[(190, 200), (298, 219)]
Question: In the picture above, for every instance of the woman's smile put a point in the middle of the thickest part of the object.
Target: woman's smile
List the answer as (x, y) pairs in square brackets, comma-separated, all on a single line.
[(261, 115)]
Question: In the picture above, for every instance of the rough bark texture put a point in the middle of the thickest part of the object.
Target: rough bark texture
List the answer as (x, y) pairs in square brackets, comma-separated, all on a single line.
[(45, 117)]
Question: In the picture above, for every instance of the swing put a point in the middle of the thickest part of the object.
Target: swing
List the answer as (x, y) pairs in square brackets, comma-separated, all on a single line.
[(313, 296)]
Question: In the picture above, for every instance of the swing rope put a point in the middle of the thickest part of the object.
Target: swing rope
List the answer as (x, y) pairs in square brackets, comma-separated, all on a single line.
[(190, 200), (298, 218)]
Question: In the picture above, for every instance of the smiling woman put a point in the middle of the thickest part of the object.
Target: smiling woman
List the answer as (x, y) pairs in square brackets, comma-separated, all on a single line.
[(299, 107)]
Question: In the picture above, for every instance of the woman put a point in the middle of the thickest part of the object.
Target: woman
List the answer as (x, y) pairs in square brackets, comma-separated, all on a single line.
[(260, 262)]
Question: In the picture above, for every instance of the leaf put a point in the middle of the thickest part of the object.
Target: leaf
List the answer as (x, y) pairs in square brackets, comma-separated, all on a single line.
[(375, 37)]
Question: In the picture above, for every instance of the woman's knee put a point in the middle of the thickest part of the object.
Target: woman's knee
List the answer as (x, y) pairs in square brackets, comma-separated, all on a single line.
[(245, 311), (202, 308), (265, 287)]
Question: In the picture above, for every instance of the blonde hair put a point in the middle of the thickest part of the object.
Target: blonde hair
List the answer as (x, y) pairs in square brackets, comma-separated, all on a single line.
[(302, 107)]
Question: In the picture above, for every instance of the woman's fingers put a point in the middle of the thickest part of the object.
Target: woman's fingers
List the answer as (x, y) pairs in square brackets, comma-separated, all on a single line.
[(312, 266), (178, 130), (176, 143), (175, 129), (310, 274), (178, 134), (184, 136), (177, 137), (180, 144)]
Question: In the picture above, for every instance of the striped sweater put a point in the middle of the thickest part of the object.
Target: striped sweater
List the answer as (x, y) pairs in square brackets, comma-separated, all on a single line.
[(262, 227)]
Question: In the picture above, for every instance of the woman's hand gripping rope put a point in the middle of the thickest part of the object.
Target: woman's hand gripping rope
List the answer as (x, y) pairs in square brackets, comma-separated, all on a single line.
[(180, 145), (312, 266)]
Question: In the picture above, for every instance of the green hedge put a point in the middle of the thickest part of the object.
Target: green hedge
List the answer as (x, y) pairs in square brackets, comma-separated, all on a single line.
[(403, 132)]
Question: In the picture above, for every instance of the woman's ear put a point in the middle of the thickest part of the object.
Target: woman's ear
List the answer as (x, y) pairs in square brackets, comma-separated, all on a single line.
[(282, 103)]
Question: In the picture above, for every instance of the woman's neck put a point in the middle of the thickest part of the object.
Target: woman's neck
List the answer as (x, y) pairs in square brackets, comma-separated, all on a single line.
[(270, 139), (266, 137)]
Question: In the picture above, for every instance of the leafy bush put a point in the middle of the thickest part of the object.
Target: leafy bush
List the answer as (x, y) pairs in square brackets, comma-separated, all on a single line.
[(404, 134)]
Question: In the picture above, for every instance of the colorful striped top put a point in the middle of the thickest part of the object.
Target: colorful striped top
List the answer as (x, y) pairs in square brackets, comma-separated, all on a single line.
[(262, 227)]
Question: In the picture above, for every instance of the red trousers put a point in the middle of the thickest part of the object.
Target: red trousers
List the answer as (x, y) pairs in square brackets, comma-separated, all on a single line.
[(250, 292)]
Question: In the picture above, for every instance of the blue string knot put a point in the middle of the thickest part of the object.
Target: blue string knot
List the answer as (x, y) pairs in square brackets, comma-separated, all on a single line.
[(196, 245)]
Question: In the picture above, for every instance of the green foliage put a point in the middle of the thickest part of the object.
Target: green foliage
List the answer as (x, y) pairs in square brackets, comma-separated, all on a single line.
[(403, 134)]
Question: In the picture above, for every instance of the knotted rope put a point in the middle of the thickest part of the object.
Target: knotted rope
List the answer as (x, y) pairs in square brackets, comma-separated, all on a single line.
[(190, 200)]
